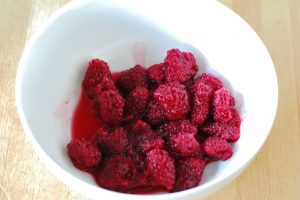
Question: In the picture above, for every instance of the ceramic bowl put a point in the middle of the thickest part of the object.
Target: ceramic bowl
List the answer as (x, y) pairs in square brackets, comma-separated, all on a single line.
[(125, 33)]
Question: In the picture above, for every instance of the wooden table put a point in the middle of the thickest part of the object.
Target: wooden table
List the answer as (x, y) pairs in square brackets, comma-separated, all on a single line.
[(274, 174)]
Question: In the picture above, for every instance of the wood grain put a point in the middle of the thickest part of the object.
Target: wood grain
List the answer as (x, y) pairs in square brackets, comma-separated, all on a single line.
[(274, 174)]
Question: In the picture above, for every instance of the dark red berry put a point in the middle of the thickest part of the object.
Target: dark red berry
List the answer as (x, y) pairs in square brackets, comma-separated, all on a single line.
[(156, 114), (119, 174), (132, 78), (111, 105), (223, 103), (208, 79), (181, 126), (137, 101), (84, 153), (114, 142), (183, 145), (201, 100), (156, 73), (161, 167), (173, 99), (217, 148), (229, 131), (97, 70), (180, 66), (188, 173)]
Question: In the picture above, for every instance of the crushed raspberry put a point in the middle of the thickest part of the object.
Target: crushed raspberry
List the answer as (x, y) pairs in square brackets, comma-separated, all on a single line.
[(161, 167), (156, 73), (97, 70), (132, 78), (173, 99), (217, 148), (137, 101), (152, 128), (180, 66), (155, 114), (223, 103), (201, 103), (208, 79), (229, 131), (188, 173), (184, 145), (84, 153), (114, 142), (111, 105)]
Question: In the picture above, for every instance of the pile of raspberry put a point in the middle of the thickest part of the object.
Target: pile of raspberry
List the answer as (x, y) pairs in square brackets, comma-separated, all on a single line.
[(163, 125)]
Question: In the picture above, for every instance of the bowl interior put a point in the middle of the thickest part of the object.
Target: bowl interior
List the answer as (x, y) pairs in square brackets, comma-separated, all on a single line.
[(53, 66)]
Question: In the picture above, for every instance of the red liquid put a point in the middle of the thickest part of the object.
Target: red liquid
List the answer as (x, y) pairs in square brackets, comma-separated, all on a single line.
[(84, 123)]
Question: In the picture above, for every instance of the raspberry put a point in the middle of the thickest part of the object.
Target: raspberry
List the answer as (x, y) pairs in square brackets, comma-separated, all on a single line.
[(188, 173), (137, 101), (217, 148), (223, 103), (180, 66), (132, 78), (208, 79), (161, 167), (229, 131), (201, 103), (155, 114), (118, 173), (184, 145), (137, 159), (84, 153), (144, 139), (156, 73), (181, 126), (173, 99), (111, 105), (106, 84), (114, 142), (96, 72)]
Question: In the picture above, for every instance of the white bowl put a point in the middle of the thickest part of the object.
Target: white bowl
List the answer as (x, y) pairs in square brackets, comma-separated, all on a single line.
[(125, 33)]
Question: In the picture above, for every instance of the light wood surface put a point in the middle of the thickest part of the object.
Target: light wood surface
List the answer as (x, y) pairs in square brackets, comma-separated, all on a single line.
[(274, 174)]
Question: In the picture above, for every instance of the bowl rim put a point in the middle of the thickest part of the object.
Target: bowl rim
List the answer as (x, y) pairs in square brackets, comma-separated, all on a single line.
[(68, 178)]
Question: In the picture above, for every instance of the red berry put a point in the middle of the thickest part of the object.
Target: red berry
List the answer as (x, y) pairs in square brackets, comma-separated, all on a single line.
[(111, 105), (96, 72), (132, 78), (119, 174), (161, 167), (181, 126), (183, 145), (229, 131), (84, 153), (217, 148), (201, 103), (180, 66), (188, 173), (106, 84), (173, 99), (156, 73), (155, 113), (223, 103), (137, 101), (210, 80), (114, 142), (144, 139)]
